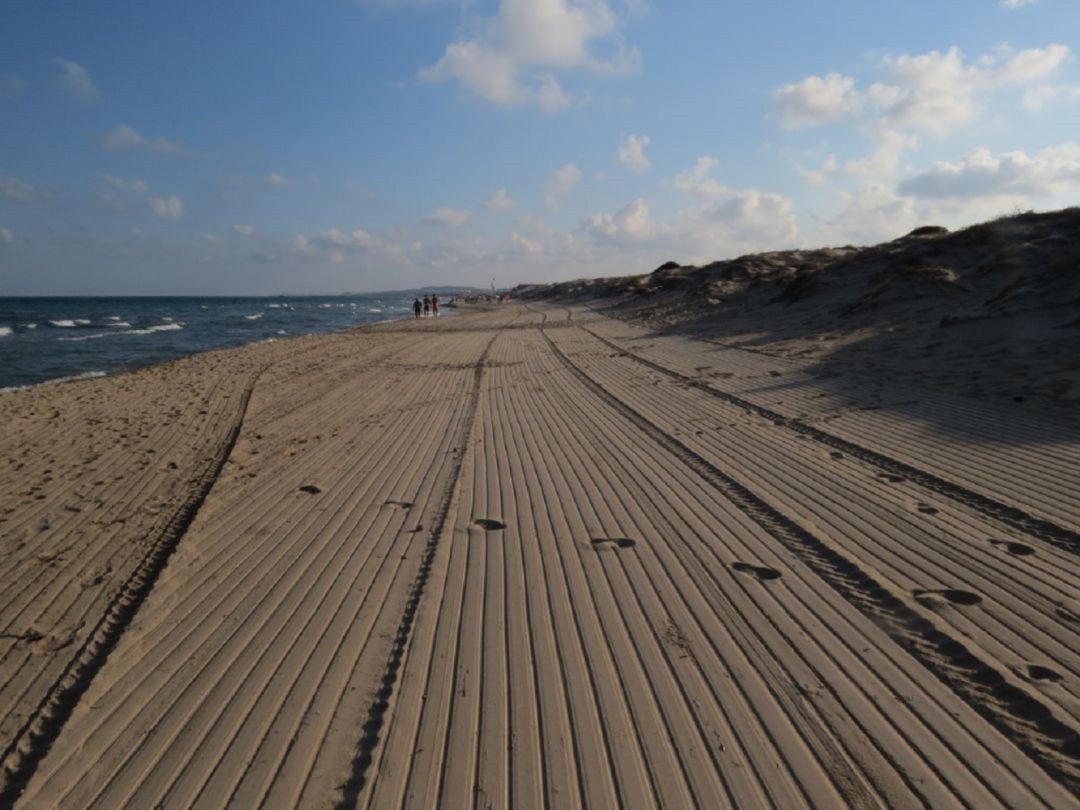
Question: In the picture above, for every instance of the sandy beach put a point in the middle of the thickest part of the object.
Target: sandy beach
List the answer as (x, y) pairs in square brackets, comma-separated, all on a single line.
[(535, 556)]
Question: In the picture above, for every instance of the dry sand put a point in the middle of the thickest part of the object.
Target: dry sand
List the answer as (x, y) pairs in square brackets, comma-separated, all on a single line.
[(535, 557)]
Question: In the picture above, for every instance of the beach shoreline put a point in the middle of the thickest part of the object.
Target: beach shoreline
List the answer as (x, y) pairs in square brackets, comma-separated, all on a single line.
[(415, 560)]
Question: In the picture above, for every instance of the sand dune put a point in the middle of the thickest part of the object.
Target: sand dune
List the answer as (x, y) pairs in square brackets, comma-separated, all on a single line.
[(535, 556)]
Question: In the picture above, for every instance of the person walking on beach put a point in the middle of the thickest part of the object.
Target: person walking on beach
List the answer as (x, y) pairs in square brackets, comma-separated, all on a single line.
[(427, 306), (416, 307), (435, 305)]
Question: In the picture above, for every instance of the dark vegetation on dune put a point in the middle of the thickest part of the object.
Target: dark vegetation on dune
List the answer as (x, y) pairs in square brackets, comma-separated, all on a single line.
[(992, 310)]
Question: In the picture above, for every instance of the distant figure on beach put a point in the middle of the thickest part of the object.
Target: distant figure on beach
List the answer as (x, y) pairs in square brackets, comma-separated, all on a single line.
[(427, 306), (435, 305), (416, 307)]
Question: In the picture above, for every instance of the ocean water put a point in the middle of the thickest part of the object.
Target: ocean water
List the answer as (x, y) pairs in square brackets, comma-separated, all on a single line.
[(59, 339)]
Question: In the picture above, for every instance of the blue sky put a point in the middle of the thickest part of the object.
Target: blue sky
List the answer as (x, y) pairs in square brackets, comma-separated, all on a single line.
[(329, 146)]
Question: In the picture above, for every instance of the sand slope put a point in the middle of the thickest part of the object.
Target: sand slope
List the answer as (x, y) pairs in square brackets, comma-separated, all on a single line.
[(536, 557)]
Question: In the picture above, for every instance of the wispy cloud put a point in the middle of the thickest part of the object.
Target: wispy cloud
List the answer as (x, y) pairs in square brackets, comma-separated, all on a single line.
[(14, 189), (124, 137), (448, 216), (171, 207), (499, 201), (75, 80), (560, 182), (631, 153)]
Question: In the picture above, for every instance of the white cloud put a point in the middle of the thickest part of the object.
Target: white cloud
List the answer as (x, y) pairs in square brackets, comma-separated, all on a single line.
[(936, 92), (539, 35), (549, 95), (358, 238), (12, 188), (276, 180), (448, 216), (525, 245), (75, 80), (560, 182), (815, 100), (631, 222), (1036, 98), (726, 222), (171, 207), (135, 186), (243, 230), (1014, 4), (632, 153), (1053, 171), (871, 214), (499, 201), (884, 162), (336, 246), (1033, 64), (696, 180), (816, 177), (124, 137), (6, 236)]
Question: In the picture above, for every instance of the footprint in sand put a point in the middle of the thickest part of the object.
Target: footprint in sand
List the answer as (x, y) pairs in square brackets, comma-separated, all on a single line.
[(950, 595), (759, 571), (310, 489), (1019, 549), (836, 455), (897, 479), (922, 507), (1038, 673), (489, 525), (620, 542), (399, 504)]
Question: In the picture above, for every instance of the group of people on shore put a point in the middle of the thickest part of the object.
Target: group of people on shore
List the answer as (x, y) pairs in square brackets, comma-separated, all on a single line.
[(428, 307)]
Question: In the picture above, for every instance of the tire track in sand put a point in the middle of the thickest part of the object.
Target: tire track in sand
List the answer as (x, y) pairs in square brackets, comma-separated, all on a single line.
[(1010, 515), (33, 740), (1052, 744), (376, 715)]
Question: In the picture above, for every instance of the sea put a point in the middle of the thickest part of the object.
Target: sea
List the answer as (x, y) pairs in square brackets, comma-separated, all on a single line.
[(51, 340)]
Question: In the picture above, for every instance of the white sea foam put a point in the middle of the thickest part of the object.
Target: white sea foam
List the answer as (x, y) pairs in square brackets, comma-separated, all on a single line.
[(254, 317), (69, 323), (167, 318), (281, 331), (113, 318), (119, 325), (5, 331), (375, 309), (161, 327), (86, 375), (31, 326), (81, 338)]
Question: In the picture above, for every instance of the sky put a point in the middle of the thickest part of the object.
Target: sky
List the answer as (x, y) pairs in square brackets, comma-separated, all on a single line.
[(330, 146)]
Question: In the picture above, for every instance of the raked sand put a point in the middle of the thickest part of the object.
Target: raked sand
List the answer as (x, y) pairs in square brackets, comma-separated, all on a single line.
[(533, 557)]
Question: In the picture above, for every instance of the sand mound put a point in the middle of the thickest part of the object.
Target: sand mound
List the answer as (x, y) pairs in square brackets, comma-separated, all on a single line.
[(990, 311)]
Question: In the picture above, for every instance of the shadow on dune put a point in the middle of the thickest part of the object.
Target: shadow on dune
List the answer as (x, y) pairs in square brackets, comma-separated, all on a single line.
[(989, 313)]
